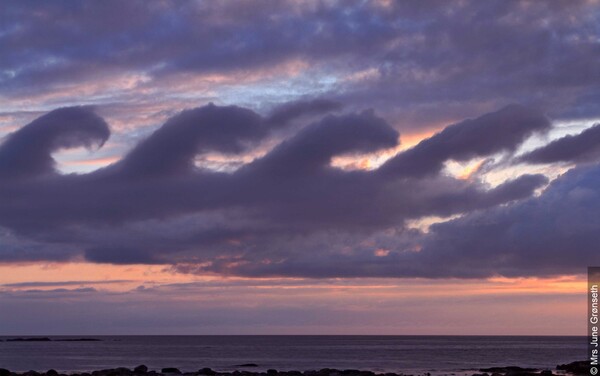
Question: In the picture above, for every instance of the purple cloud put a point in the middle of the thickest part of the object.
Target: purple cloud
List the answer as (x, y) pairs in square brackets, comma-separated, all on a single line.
[(288, 212), (572, 148)]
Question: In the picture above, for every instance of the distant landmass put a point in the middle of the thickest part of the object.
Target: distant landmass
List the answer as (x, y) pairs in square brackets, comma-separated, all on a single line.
[(46, 339)]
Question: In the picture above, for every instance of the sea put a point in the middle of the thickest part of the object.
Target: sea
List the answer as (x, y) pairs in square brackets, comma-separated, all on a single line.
[(416, 355)]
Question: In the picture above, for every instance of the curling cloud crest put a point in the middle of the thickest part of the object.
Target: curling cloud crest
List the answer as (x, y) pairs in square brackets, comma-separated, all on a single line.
[(289, 212)]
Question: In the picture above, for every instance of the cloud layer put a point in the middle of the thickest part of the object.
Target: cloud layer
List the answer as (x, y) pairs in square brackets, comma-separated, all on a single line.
[(288, 211), (418, 64), (182, 177)]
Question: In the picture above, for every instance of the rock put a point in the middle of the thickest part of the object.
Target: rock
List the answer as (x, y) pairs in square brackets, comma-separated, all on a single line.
[(508, 369), (206, 371), (34, 339), (102, 372), (581, 367), (170, 370), (575, 368)]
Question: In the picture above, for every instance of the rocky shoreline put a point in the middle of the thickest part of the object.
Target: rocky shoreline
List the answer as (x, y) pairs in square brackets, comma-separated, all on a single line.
[(574, 368)]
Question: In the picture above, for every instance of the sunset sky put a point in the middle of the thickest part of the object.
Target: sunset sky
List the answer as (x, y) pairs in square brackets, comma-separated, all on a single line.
[(298, 167)]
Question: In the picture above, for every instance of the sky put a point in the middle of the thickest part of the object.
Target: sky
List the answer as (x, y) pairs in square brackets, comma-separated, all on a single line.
[(298, 167)]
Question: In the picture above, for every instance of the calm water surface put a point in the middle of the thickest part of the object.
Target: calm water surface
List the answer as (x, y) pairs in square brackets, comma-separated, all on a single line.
[(408, 354)]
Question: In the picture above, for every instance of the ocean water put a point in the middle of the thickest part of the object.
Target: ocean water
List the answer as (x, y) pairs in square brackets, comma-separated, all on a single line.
[(438, 355)]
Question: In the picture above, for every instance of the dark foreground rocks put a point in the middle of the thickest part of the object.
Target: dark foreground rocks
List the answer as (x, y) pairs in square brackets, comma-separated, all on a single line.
[(510, 369), (581, 367), (574, 368), (170, 371), (513, 371)]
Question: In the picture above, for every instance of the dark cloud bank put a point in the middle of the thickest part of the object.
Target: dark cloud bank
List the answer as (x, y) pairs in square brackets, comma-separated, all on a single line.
[(289, 212)]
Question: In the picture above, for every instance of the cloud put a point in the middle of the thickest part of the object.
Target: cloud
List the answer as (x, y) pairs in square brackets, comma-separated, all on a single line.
[(419, 65), (555, 233), (271, 306), (63, 283), (287, 112), (28, 151), (251, 186), (314, 146), (172, 148), (584, 147), (492, 133), (469, 56), (287, 212)]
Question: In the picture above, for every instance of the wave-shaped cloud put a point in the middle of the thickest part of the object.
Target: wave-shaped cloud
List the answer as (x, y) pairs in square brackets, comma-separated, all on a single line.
[(27, 151), (288, 212)]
